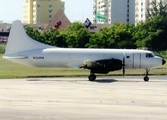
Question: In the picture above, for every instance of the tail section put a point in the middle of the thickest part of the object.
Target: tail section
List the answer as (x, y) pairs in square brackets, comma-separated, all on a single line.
[(19, 41)]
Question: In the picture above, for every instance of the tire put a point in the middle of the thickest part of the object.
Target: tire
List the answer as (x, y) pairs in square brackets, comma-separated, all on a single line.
[(146, 79), (92, 77)]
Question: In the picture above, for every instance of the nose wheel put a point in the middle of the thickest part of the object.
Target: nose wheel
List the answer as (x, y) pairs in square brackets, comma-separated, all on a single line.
[(146, 78)]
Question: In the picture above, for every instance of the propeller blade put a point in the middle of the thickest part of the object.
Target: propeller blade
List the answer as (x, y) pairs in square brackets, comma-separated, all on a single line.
[(123, 66)]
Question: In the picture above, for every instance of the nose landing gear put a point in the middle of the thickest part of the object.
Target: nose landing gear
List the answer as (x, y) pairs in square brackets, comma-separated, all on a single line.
[(146, 78)]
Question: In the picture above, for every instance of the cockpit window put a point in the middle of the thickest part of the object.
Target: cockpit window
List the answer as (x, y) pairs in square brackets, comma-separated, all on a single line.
[(149, 55)]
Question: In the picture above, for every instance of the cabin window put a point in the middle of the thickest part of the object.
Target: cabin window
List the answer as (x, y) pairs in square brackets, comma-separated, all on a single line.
[(127, 56), (149, 55)]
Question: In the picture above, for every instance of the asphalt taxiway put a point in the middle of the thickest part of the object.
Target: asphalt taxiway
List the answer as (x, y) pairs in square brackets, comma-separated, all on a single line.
[(76, 98)]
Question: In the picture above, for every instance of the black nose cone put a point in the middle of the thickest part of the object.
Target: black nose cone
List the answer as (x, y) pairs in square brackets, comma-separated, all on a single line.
[(163, 61)]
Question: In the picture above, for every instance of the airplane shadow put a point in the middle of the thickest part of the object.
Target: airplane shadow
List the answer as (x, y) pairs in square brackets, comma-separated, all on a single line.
[(105, 80), (97, 81), (100, 80)]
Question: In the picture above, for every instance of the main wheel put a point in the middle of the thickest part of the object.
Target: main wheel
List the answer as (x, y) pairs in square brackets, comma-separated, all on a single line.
[(92, 77), (146, 79)]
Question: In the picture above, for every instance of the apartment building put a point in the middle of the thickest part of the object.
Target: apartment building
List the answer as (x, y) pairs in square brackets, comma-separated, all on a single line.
[(113, 10), (141, 9), (41, 11)]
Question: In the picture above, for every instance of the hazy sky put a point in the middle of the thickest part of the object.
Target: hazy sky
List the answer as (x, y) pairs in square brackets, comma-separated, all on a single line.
[(76, 10)]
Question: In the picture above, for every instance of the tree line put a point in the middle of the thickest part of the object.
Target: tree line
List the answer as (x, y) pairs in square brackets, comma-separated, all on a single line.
[(151, 34)]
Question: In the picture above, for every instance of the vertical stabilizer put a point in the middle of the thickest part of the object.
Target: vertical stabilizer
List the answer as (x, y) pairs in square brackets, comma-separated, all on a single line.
[(19, 41)]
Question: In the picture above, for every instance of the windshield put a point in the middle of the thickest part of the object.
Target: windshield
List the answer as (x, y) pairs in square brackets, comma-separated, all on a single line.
[(149, 55)]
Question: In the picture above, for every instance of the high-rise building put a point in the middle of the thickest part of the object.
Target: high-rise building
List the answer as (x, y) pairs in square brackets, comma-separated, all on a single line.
[(110, 11), (141, 9), (41, 11)]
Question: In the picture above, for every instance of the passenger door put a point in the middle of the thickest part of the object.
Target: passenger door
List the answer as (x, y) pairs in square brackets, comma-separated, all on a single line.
[(128, 60), (136, 60)]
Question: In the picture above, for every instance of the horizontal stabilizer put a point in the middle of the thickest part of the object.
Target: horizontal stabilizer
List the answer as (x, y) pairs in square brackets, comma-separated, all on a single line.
[(16, 57)]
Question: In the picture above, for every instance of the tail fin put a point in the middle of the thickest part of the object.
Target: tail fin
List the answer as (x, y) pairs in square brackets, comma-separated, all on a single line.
[(19, 41)]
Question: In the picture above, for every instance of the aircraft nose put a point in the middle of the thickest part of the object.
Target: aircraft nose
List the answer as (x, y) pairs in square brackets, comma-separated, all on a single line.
[(163, 61)]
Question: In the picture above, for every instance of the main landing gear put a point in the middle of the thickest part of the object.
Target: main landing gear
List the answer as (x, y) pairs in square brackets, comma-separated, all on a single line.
[(92, 77), (146, 78)]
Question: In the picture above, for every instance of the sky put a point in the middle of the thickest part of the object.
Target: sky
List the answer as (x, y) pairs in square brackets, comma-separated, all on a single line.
[(75, 10)]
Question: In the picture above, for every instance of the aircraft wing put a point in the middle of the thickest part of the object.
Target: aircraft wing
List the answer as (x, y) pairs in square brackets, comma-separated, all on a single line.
[(102, 66)]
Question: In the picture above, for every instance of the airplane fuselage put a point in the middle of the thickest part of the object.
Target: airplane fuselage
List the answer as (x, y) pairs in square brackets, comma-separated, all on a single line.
[(70, 57)]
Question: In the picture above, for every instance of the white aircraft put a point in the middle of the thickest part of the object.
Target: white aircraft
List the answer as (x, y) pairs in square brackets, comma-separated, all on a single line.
[(23, 49)]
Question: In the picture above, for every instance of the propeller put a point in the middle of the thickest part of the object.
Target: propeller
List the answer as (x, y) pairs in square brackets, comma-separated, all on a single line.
[(123, 66)]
